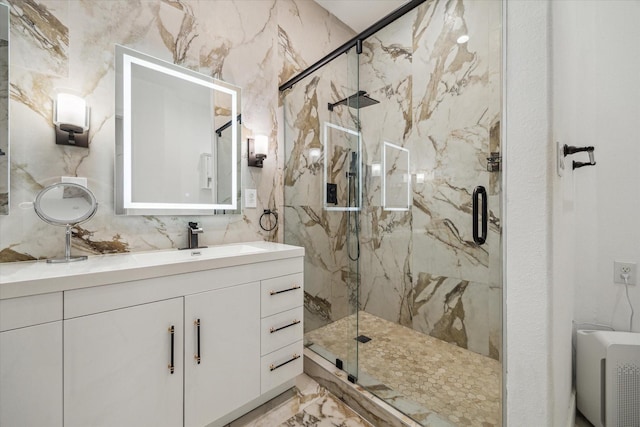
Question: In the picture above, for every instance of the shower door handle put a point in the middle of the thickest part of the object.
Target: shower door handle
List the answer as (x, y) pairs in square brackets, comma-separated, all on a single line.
[(480, 195)]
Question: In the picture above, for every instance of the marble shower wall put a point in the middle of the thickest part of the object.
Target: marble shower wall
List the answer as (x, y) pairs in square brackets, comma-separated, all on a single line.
[(254, 44), (441, 101)]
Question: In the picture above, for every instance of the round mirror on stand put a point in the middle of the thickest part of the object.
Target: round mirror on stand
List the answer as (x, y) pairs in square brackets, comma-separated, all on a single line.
[(65, 204)]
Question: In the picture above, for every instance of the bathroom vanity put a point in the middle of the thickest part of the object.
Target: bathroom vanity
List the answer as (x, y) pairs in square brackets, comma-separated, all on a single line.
[(165, 338)]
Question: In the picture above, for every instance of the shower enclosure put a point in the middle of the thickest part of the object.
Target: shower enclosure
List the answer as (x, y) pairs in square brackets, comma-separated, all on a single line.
[(393, 186)]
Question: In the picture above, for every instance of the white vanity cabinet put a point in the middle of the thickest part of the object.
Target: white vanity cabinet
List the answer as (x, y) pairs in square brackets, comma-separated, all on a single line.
[(118, 368), (222, 347), (31, 361), (158, 340)]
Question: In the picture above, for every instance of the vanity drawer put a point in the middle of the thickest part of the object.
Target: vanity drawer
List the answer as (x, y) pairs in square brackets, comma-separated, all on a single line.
[(281, 294), (281, 329), (281, 366), (28, 311)]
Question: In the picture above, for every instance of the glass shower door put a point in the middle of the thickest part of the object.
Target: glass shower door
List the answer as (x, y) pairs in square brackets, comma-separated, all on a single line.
[(431, 285), (322, 204)]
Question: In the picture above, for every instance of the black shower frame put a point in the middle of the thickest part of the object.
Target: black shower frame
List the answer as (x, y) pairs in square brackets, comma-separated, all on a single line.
[(355, 41)]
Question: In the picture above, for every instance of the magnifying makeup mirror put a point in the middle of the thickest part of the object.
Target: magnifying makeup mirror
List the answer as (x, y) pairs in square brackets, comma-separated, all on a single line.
[(65, 204)]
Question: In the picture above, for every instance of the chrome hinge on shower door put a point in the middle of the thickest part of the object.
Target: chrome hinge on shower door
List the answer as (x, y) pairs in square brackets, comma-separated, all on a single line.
[(493, 162)]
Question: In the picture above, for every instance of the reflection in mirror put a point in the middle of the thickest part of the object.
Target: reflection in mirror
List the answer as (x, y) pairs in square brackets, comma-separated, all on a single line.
[(221, 154), (169, 158), (65, 204), (4, 109)]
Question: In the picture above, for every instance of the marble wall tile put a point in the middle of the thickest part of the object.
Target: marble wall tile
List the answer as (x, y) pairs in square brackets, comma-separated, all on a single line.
[(40, 35), (330, 281), (297, 46), (386, 288), (458, 311), (70, 44)]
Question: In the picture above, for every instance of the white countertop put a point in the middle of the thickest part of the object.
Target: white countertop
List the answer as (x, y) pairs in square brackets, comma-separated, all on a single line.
[(37, 277)]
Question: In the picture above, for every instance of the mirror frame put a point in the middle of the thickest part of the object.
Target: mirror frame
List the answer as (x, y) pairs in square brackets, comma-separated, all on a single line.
[(125, 58), (63, 223)]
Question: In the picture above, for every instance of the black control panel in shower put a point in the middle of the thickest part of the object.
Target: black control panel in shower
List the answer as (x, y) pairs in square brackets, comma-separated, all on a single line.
[(332, 193)]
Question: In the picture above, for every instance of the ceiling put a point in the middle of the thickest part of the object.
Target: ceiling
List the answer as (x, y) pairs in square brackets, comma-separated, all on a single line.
[(360, 14)]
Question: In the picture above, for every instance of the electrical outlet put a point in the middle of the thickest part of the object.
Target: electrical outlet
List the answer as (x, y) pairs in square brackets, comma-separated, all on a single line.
[(620, 268)]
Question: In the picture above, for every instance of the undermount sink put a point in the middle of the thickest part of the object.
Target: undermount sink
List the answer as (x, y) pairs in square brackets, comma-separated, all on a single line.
[(197, 254)]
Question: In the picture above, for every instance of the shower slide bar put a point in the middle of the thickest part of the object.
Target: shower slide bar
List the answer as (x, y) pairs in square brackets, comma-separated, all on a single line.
[(355, 41)]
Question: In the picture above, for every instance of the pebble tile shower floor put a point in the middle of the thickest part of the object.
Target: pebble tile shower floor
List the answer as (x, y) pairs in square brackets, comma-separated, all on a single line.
[(461, 386)]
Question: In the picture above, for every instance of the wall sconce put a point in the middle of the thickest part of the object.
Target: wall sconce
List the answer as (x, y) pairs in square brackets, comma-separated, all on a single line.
[(257, 149), (71, 117)]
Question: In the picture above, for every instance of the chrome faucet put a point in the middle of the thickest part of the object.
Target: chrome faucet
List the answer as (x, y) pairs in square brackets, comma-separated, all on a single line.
[(193, 231)]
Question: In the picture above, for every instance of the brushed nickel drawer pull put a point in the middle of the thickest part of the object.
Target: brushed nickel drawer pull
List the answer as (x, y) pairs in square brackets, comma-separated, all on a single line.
[(285, 290), (274, 367), (295, 322)]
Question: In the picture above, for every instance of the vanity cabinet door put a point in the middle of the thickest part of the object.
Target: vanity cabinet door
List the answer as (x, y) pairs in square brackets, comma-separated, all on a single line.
[(117, 367), (228, 373), (31, 376)]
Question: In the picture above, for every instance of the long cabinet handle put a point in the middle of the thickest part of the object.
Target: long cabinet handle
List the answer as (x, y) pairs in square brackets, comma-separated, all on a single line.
[(197, 325), (285, 290), (274, 367), (172, 331), (480, 195), (295, 322)]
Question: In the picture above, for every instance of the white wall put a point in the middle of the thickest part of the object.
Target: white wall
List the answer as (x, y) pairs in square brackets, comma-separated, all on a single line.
[(602, 70), (563, 219), (528, 215), (572, 67)]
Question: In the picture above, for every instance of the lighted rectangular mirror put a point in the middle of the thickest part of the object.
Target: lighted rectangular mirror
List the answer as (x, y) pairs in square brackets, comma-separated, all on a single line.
[(4, 110), (177, 139)]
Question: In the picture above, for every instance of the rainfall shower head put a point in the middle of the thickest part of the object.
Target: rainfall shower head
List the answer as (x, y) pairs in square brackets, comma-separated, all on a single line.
[(358, 100)]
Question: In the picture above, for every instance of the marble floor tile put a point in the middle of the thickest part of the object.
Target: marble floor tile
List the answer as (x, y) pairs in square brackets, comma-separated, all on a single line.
[(326, 412), (311, 406), (420, 374)]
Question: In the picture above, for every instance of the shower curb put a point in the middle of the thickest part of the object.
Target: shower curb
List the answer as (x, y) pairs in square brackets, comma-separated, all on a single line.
[(367, 405)]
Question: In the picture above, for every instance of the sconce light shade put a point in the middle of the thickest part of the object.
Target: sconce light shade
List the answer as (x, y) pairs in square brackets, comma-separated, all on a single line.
[(314, 154), (71, 118), (257, 149)]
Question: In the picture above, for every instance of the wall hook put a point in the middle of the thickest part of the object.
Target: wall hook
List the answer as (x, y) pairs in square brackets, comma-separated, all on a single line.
[(569, 149)]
